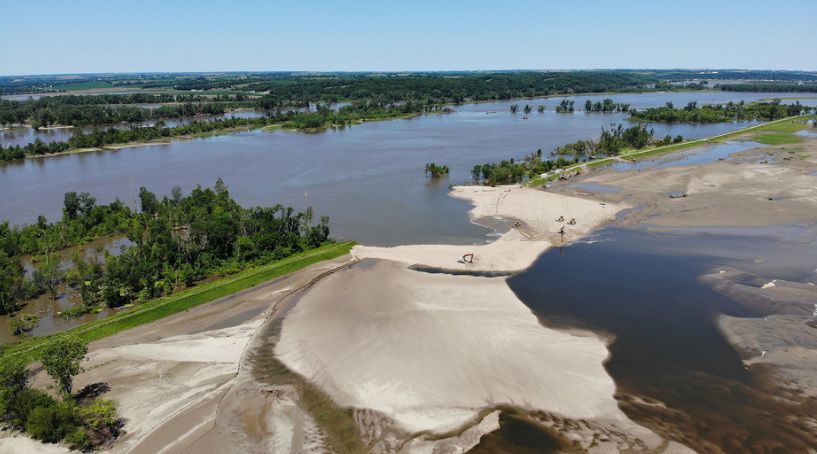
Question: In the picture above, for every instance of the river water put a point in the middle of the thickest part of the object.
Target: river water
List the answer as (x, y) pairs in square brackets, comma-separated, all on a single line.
[(645, 290), (368, 178)]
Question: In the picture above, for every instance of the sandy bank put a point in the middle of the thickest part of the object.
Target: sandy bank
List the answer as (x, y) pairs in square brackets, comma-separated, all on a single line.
[(537, 212), (431, 350), (760, 187)]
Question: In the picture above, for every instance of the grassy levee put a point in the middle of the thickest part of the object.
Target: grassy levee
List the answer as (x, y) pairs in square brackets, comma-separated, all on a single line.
[(180, 301), (782, 128)]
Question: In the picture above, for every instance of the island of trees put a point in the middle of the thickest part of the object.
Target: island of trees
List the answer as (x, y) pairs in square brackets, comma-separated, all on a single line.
[(716, 113)]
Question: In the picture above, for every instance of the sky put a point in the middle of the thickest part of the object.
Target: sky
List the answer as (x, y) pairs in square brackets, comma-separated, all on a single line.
[(87, 36)]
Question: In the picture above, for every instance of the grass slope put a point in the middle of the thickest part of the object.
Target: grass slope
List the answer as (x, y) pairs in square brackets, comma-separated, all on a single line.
[(162, 307)]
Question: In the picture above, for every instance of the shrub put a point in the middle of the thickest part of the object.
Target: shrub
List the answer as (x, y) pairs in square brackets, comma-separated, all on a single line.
[(20, 405), (51, 423), (101, 420), (79, 440)]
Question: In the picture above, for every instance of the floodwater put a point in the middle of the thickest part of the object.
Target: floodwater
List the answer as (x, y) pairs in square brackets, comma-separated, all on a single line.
[(704, 154), (645, 291), (47, 308), (368, 178)]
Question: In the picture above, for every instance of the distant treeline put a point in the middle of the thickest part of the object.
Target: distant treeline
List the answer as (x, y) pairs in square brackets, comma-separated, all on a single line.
[(420, 85), (323, 118), (111, 109), (102, 137), (771, 87), (432, 87), (716, 113)]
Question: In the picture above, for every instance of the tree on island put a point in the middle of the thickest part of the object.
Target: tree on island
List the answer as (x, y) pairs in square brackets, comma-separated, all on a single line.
[(436, 171), (565, 106), (527, 109), (514, 108), (541, 108)]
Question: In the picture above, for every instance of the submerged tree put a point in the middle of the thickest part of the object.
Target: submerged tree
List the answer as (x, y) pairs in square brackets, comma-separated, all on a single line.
[(436, 171)]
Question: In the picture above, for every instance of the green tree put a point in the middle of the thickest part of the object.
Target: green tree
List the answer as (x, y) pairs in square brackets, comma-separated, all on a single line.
[(148, 201), (11, 283), (62, 358)]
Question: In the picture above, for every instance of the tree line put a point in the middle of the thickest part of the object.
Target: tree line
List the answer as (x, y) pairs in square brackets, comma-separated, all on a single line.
[(614, 140), (771, 87), (511, 171), (716, 113), (606, 105), (325, 117), (110, 109)]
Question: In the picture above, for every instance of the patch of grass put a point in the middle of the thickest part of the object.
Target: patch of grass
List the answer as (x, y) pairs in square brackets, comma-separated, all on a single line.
[(87, 85), (777, 139), (787, 126), (159, 308)]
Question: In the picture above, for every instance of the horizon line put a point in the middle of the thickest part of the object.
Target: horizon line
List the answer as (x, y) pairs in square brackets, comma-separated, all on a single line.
[(408, 71)]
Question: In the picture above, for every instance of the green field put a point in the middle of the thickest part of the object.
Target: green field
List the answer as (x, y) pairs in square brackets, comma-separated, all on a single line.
[(777, 139), (162, 307), (87, 85)]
